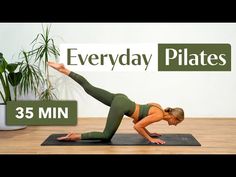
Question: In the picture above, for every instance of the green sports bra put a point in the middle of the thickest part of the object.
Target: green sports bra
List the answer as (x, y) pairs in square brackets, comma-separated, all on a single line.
[(143, 112)]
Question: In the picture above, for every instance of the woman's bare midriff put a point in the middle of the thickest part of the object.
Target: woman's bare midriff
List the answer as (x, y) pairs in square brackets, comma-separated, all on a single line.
[(136, 113)]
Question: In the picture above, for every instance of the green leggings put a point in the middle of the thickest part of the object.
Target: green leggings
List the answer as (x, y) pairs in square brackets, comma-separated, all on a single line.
[(120, 105)]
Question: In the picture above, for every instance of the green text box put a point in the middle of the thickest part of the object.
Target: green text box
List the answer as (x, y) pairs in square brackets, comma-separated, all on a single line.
[(41, 113), (194, 57)]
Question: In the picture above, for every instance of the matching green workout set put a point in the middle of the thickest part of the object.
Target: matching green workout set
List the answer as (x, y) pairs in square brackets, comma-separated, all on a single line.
[(120, 105)]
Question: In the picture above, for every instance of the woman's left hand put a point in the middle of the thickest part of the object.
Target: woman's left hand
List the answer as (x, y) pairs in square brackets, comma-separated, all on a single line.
[(69, 137)]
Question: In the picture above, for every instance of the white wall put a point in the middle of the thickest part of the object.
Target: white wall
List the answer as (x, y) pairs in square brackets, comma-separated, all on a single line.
[(201, 94)]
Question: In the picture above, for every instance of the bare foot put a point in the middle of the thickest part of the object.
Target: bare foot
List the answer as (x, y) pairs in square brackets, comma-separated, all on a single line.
[(70, 137)]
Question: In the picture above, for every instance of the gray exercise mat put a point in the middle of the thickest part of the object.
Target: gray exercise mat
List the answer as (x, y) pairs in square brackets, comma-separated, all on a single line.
[(126, 140)]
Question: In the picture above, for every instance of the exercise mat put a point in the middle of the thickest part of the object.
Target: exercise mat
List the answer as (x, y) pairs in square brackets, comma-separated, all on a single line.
[(126, 140)]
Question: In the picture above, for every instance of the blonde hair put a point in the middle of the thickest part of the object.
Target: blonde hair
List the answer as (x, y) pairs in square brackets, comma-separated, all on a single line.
[(177, 112)]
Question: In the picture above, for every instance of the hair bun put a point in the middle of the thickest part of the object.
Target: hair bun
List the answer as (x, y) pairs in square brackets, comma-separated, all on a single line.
[(168, 109)]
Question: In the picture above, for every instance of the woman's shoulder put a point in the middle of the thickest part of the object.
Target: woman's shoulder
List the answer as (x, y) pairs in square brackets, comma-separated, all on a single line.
[(156, 108)]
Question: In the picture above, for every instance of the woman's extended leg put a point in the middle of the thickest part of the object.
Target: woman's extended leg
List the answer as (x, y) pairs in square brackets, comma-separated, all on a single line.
[(119, 104), (97, 93)]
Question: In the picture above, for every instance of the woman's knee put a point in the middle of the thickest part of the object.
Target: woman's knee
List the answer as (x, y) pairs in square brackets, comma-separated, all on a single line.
[(107, 136)]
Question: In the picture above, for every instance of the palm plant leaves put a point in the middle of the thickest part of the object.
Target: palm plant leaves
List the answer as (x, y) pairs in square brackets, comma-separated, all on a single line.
[(48, 94), (44, 47), (31, 76)]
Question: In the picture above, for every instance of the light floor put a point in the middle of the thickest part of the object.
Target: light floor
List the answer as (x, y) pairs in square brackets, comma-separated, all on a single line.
[(217, 136)]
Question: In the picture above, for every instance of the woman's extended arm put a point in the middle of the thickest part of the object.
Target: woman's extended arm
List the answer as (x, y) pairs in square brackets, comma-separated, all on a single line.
[(140, 127), (135, 121)]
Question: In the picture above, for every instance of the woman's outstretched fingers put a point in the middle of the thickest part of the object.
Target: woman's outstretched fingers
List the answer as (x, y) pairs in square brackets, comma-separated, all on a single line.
[(59, 67), (66, 138), (62, 138), (55, 65), (50, 63)]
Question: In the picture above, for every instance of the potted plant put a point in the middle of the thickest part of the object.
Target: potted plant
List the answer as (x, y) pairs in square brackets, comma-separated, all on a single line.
[(32, 74), (9, 77), (43, 48), (25, 75)]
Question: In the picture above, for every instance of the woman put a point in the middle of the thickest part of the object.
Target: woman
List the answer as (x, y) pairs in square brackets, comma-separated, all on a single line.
[(120, 105)]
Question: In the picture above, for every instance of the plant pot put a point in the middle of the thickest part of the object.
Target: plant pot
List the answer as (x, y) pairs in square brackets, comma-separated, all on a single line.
[(3, 125)]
